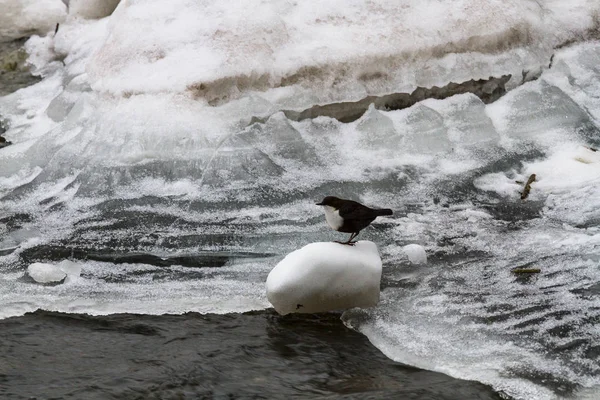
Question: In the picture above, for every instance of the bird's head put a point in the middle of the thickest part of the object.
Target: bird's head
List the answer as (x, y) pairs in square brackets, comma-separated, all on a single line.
[(331, 201)]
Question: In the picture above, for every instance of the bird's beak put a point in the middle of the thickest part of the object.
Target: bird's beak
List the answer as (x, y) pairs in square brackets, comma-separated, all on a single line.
[(320, 204)]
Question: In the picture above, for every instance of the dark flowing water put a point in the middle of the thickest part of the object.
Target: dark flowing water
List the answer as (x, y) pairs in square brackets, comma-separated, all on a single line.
[(258, 355)]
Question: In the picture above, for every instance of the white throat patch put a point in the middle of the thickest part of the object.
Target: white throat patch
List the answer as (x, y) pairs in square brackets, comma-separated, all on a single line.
[(333, 217)]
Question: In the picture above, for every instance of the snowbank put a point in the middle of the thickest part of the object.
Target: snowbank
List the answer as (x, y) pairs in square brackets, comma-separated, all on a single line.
[(328, 51), (325, 277)]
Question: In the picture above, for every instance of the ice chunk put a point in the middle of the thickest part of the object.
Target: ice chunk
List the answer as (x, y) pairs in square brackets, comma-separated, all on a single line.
[(280, 140), (261, 150), (46, 273), (324, 277), (415, 253), (465, 117), (92, 8), (237, 159), (60, 106), (424, 129), (534, 109), (377, 130), (72, 269), (576, 71)]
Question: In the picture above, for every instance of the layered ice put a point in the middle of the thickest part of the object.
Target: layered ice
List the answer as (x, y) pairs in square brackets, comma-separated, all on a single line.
[(157, 153), (108, 288), (322, 277)]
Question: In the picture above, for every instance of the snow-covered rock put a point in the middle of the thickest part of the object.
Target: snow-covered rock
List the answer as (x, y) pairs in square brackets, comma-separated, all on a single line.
[(326, 276), (415, 253), (48, 273)]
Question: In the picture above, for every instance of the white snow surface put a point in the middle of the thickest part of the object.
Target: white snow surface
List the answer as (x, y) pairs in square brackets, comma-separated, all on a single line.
[(326, 276)]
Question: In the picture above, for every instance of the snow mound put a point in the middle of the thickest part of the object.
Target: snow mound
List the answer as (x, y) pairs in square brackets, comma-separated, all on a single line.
[(324, 277)]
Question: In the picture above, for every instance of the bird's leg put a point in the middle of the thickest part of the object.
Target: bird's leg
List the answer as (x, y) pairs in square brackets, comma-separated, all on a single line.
[(349, 242), (352, 236)]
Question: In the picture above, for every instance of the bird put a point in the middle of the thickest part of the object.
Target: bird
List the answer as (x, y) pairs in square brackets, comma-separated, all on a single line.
[(349, 216)]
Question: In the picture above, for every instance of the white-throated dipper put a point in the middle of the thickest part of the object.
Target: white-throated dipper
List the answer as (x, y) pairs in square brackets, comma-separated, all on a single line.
[(349, 216)]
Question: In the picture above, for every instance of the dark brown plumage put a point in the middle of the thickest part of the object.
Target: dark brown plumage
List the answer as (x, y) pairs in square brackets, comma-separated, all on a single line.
[(349, 216)]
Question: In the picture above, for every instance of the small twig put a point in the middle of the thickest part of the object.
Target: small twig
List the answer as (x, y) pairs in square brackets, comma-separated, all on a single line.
[(527, 187), (56, 29)]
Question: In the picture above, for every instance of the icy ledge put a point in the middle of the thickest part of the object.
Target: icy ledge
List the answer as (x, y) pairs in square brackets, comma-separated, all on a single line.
[(324, 277)]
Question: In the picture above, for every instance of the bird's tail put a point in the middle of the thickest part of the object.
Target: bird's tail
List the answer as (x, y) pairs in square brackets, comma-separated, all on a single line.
[(383, 211)]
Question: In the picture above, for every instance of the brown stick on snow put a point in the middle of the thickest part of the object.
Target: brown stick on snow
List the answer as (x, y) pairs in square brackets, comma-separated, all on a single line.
[(527, 188)]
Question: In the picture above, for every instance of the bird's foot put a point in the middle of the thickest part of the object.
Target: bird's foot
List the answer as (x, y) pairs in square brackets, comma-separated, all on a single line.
[(346, 243)]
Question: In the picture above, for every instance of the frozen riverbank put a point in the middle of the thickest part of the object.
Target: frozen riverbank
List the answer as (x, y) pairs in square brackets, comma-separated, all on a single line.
[(177, 166)]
